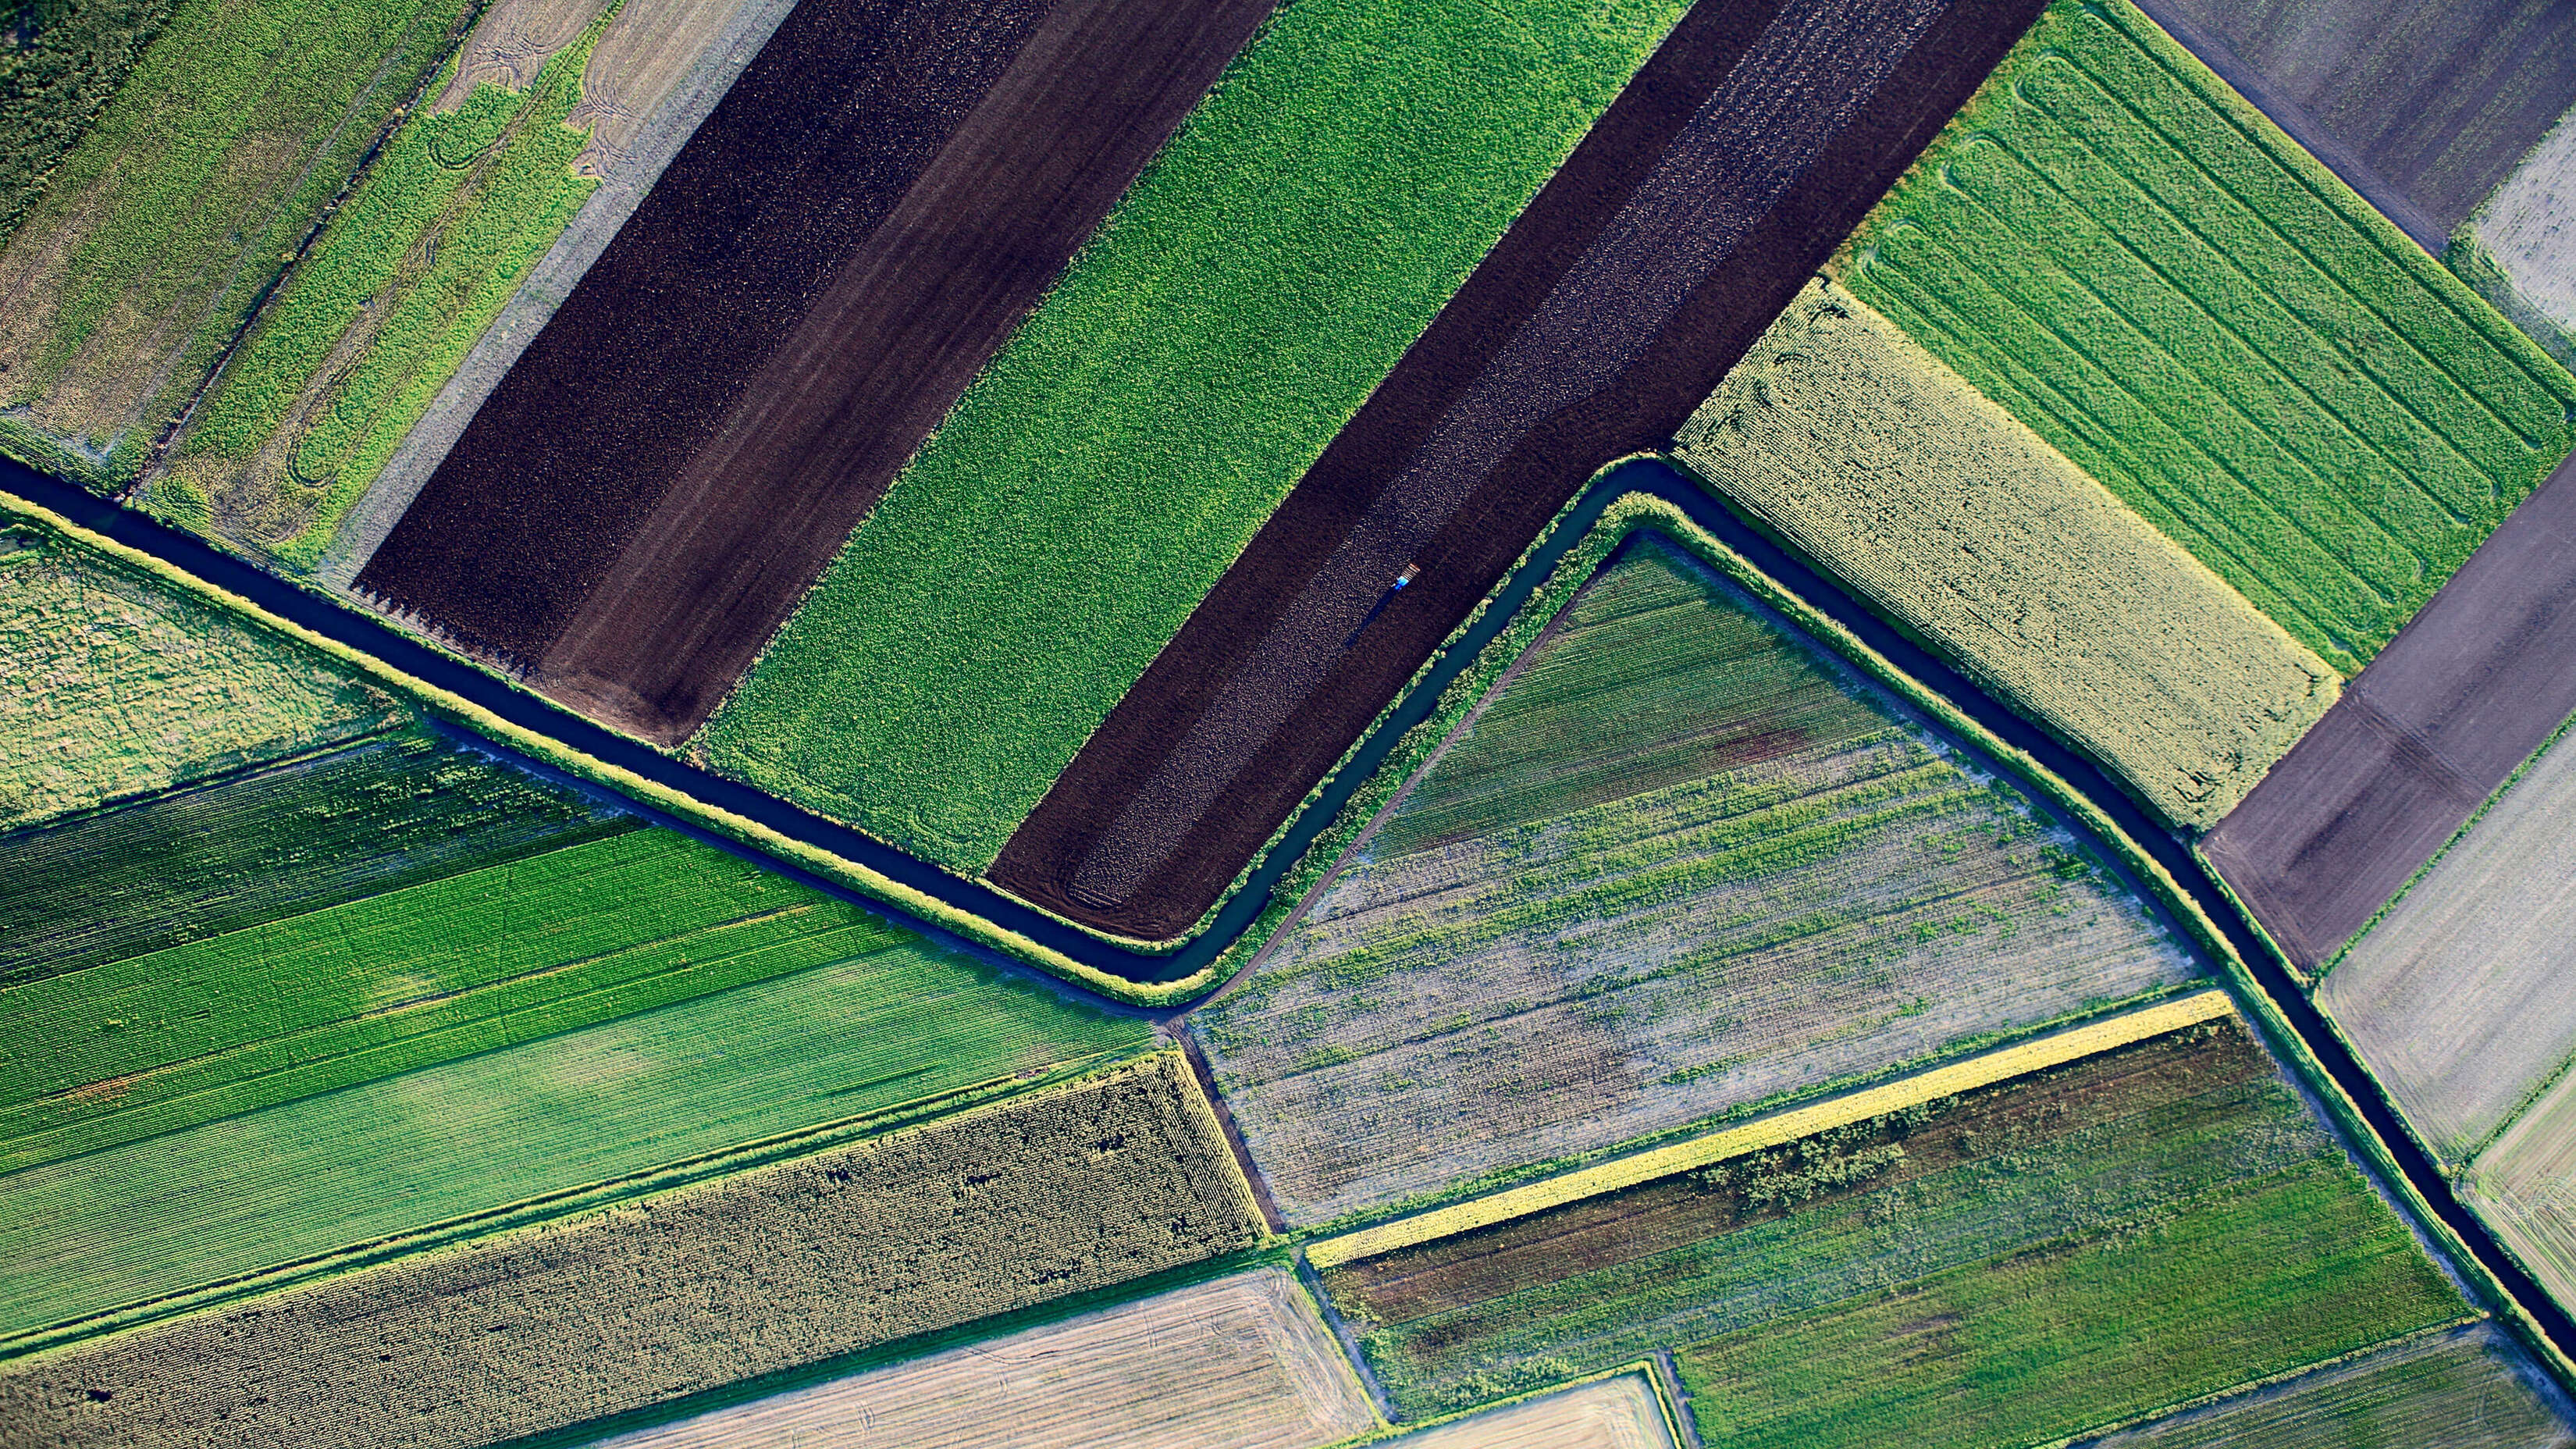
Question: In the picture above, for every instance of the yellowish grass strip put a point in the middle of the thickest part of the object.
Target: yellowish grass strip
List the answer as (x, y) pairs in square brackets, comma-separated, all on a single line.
[(1982, 1070)]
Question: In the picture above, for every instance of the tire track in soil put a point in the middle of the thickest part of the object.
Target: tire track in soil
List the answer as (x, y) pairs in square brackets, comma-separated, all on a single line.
[(1743, 153), (792, 309)]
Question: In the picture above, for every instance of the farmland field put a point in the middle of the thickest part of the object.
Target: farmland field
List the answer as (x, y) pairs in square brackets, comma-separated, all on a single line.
[(2515, 251), (2458, 1388), (61, 64), (1871, 457), (1104, 1180), (1614, 1413), (2525, 1187), (1679, 863), (161, 228), (1259, 280), (352, 350), (2060, 1249), (2458, 998), (891, 1018), (2136, 264), (359, 821), (394, 982), (151, 688), (1243, 1361)]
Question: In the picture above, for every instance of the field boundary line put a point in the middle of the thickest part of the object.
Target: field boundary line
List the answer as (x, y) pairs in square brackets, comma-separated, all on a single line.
[(1982, 1070), (1644, 1369)]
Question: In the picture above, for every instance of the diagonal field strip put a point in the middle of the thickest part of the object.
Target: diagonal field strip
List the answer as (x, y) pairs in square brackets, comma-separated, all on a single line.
[(1977, 1071)]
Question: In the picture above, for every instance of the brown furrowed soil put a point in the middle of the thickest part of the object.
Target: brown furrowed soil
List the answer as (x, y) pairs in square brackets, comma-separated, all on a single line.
[(1741, 155), (2448, 710), (788, 315)]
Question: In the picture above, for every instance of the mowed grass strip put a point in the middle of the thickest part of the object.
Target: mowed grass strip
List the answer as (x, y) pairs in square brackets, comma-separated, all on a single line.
[(1099, 1182), (1870, 456), (162, 227), (1296, 236), (1681, 864), (120, 686), (398, 981), (2193, 1133), (448, 221), (316, 832), (898, 1020), (2137, 264)]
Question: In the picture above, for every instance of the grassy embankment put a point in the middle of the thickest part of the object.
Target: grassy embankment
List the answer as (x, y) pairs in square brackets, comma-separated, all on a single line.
[(161, 228), (121, 686), (316, 832), (2138, 265), (2004, 1263), (60, 61), (1274, 263), (447, 223), (1868, 455), (1102, 1181), (1679, 864)]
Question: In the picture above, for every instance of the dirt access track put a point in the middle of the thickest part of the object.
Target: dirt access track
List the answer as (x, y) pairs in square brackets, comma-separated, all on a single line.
[(1741, 155), (812, 283), (2455, 703)]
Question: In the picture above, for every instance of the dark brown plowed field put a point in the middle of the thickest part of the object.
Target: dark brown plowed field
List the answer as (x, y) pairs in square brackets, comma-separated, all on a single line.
[(2422, 105), (1746, 149), (2446, 712), (810, 286)]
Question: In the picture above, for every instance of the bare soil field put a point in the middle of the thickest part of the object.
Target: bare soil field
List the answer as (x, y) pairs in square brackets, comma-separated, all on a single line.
[(2461, 1388), (1105, 1180), (1678, 864), (632, 522), (2525, 1187), (2458, 998), (1741, 154), (1244, 1361), (2434, 101), (1614, 1413), (2420, 739), (2526, 231)]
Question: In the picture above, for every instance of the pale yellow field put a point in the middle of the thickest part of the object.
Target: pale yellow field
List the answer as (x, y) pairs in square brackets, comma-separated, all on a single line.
[(1241, 1361), (2459, 998), (2525, 1187), (1960, 523), (1614, 1413)]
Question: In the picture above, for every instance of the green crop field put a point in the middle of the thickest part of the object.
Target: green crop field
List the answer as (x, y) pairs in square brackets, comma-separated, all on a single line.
[(1680, 863), (60, 61), (2459, 1388), (895, 1020), (1947, 515), (1297, 235), (360, 821), (447, 223), (2009, 1264), (398, 981), (160, 229), (1098, 1182), (2131, 259), (152, 688)]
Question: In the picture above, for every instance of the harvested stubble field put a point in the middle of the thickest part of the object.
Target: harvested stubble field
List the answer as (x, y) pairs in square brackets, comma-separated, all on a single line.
[(2438, 100), (423, 1111), (119, 686), (413, 266), (2525, 1187), (1678, 863), (2138, 265), (1103, 1181), (160, 230), (2459, 1388), (1242, 1361), (2458, 1000), (1613, 1413), (1273, 265), (1869, 456), (2440, 720), (2516, 251), (315, 832), (1752, 142), (2006, 1264), (806, 293), (60, 61)]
